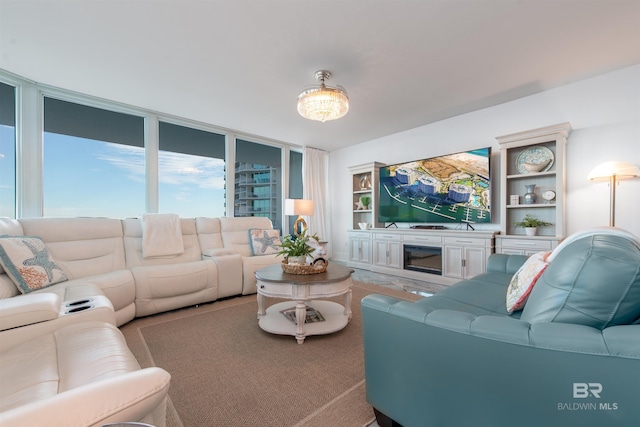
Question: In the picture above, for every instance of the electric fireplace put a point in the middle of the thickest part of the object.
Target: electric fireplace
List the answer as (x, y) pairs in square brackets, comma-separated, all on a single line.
[(427, 259)]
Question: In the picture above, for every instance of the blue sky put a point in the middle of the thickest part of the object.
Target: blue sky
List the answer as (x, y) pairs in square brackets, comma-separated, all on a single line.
[(92, 178)]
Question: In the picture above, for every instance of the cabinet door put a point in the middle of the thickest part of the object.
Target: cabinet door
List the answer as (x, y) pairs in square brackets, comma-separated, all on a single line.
[(365, 251), (387, 254), (380, 254), (474, 261), (360, 249), (453, 256), (395, 254), (354, 249)]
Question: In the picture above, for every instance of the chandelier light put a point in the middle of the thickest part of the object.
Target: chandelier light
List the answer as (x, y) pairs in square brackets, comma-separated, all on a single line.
[(323, 103)]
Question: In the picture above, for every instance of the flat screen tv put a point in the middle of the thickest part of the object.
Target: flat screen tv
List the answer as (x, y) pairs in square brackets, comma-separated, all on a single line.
[(454, 188)]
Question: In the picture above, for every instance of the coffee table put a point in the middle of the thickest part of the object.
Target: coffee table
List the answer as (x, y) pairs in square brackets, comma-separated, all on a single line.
[(302, 291)]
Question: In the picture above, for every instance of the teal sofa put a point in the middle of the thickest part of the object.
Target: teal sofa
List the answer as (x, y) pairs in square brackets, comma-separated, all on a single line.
[(571, 357)]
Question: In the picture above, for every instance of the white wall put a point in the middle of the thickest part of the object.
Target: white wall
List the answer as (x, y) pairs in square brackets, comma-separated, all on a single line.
[(604, 113)]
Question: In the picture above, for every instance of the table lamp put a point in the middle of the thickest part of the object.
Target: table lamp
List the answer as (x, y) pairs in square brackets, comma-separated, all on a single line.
[(613, 171), (298, 207)]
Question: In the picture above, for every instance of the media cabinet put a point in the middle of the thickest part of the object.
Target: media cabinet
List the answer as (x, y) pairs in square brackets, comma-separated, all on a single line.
[(439, 256), (450, 255)]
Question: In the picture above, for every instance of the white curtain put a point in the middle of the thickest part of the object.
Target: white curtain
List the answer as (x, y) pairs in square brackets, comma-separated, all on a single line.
[(313, 179)]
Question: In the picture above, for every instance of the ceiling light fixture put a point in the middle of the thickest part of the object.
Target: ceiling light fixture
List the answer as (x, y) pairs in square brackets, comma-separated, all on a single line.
[(323, 103)]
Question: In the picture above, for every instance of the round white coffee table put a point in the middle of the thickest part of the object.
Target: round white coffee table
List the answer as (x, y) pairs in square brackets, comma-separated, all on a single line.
[(304, 291)]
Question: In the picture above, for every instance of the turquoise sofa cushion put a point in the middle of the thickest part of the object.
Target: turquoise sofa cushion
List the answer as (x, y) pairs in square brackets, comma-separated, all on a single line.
[(592, 281)]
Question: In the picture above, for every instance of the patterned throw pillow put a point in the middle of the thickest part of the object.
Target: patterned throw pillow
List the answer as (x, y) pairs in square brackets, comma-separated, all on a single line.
[(264, 242), (522, 282), (28, 263)]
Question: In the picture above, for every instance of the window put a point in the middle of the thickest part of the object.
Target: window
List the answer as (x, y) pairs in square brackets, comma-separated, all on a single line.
[(295, 184), (258, 189), (7, 150), (191, 171), (94, 161)]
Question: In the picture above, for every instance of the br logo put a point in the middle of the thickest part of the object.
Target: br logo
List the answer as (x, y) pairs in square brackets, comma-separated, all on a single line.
[(584, 390)]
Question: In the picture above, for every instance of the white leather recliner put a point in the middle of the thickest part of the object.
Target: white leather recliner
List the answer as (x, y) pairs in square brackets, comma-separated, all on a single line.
[(78, 375)]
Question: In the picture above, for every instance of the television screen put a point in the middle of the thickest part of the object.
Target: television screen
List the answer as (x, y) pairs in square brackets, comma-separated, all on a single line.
[(454, 188)]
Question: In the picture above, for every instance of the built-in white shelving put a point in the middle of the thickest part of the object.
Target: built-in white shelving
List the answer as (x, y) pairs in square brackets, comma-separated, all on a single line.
[(365, 185), (551, 180)]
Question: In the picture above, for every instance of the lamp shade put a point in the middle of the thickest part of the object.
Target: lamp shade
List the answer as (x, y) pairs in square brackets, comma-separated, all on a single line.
[(620, 170), (613, 171), (298, 207)]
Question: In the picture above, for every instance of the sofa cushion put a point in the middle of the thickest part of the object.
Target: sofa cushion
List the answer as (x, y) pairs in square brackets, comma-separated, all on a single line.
[(234, 232), (209, 235), (592, 281), (523, 281), (480, 295), (81, 246), (264, 242), (8, 289), (167, 287), (28, 263)]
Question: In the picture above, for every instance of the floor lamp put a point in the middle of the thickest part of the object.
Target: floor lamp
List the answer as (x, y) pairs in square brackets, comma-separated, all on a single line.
[(613, 171), (298, 207)]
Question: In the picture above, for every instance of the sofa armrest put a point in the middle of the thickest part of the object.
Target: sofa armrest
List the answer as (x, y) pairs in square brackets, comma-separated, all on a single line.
[(128, 397), (28, 309), (216, 252), (229, 265)]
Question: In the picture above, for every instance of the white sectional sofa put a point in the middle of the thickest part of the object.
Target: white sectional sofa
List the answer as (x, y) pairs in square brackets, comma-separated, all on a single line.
[(106, 254), (62, 359)]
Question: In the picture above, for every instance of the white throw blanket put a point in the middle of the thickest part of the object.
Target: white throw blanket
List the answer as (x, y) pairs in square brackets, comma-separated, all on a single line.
[(161, 235)]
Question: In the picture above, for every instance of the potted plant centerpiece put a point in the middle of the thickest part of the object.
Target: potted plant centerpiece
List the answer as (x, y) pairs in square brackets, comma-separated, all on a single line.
[(531, 224), (296, 250)]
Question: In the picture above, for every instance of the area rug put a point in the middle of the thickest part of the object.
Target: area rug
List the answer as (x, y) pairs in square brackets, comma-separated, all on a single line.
[(226, 371)]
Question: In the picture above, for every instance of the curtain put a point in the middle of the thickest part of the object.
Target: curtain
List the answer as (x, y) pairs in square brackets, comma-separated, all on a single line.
[(314, 180)]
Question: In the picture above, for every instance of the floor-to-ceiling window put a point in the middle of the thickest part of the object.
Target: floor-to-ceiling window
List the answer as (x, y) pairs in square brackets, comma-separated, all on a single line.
[(94, 161), (7, 150), (295, 185), (191, 171), (258, 183)]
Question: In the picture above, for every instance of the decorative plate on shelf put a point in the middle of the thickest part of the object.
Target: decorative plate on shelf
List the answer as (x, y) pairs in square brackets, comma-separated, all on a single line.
[(535, 159)]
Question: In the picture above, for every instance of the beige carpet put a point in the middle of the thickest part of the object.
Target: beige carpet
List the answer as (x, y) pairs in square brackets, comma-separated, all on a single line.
[(226, 371)]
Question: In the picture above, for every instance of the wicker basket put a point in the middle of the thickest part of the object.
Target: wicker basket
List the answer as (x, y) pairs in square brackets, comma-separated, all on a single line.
[(304, 269)]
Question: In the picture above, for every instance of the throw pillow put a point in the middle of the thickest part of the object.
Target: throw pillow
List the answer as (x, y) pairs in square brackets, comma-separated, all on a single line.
[(264, 242), (28, 263), (523, 281)]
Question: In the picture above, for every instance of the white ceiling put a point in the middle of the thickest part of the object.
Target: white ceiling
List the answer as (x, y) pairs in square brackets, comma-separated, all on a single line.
[(240, 64)]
